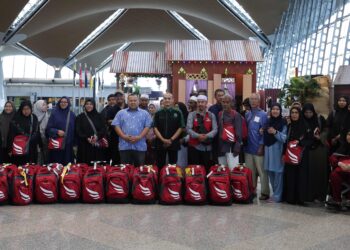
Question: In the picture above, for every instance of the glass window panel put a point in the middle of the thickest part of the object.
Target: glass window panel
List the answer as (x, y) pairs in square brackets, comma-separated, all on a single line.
[(325, 67), (18, 70), (330, 33), (7, 66), (340, 61), (30, 65), (344, 27), (41, 69), (328, 51), (341, 45), (66, 73), (347, 9), (333, 17), (50, 73)]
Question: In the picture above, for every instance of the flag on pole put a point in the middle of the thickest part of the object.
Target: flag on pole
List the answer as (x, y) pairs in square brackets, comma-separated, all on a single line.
[(103, 81), (86, 77), (74, 71), (81, 84), (91, 81), (99, 81)]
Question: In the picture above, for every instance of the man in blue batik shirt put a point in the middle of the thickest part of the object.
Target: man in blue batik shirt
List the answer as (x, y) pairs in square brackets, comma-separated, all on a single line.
[(254, 150), (132, 124)]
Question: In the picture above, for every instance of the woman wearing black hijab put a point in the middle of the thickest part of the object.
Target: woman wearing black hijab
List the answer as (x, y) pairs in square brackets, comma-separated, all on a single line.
[(336, 121), (295, 176), (24, 123), (275, 135), (318, 154), (5, 119), (89, 134)]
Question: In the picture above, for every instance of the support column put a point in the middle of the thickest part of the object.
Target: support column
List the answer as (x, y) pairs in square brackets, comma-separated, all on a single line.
[(2, 84)]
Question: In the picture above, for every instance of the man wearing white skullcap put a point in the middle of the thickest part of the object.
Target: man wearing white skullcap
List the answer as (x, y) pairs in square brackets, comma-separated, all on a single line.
[(202, 128), (192, 104), (144, 101)]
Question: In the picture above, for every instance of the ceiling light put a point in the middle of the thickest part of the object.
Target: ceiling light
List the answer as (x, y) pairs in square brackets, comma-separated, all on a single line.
[(96, 33), (187, 25), (242, 15), (28, 11)]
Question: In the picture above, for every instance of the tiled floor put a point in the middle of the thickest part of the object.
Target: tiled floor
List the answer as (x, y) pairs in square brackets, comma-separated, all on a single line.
[(108, 226)]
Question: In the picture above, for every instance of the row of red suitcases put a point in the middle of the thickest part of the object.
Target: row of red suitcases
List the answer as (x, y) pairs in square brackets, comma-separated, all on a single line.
[(124, 183)]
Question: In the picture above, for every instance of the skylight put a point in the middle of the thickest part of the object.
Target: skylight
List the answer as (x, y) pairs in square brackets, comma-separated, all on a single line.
[(24, 15), (238, 11), (94, 34), (187, 25)]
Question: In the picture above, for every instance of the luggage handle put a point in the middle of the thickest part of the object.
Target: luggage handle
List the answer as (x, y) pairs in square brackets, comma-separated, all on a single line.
[(95, 164), (23, 174)]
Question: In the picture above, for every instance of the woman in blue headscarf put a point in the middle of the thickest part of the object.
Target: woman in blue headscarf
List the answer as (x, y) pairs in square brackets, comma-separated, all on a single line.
[(61, 125)]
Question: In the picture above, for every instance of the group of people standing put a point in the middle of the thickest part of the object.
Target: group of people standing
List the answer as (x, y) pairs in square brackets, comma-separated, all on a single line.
[(138, 133)]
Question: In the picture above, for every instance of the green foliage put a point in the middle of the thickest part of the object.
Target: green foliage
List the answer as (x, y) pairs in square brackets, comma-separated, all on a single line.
[(299, 89), (136, 89)]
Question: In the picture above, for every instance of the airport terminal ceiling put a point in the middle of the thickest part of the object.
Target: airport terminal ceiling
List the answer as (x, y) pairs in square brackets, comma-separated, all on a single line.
[(58, 27)]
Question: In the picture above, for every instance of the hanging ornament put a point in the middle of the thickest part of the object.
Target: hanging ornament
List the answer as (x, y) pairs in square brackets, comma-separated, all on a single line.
[(204, 73), (249, 72), (226, 71), (181, 71)]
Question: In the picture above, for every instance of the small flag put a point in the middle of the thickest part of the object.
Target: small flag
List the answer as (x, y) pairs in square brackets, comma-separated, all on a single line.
[(91, 81), (103, 82), (99, 81), (86, 77), (81, 84), (74, 71)]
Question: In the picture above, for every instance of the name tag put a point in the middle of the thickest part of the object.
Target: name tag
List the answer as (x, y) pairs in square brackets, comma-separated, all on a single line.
[(256, 119)]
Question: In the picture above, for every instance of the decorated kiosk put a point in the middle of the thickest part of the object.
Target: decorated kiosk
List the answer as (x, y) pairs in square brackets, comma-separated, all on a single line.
[(209, 65)]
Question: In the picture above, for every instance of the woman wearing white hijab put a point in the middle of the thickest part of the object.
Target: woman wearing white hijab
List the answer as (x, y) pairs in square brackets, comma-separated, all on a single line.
[(40, 110)]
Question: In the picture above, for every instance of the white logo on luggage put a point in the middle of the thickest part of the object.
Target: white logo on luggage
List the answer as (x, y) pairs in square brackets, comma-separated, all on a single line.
[(49, 194), (230, 136), (195, 195), (94, 195), (145, 190), (17, 149), (70, 192), (2, 196), (119, 189), (24, 196), (237, 192), (55, 143), (221, 193), (293, 158), (174, 194)]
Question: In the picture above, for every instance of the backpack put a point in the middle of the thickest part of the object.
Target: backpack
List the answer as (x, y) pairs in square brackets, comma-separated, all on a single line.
[(170, 185), (144, 184), (4, 185), (93, 185), (21, 187), (46, 185), (195, 185), (242, 184), (70, 183), (219, 185), (118, 183), (244, 135)]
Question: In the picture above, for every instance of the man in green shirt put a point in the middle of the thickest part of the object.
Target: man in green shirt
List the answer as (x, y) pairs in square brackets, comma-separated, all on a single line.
[(168, 126)]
